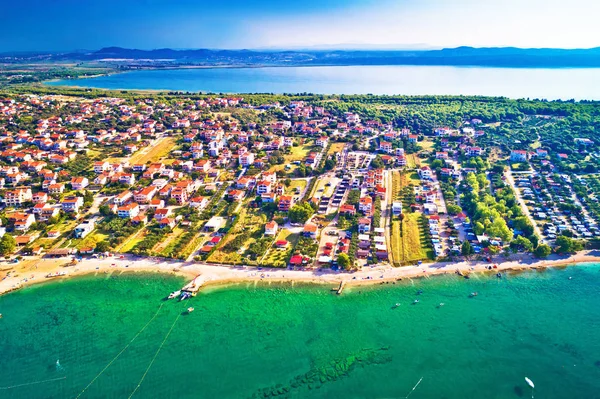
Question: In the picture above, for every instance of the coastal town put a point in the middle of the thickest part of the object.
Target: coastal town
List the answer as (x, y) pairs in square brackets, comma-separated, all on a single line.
[(291, 184)]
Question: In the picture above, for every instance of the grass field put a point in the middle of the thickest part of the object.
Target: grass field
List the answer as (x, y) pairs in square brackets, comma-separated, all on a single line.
[(276, 256), (322, 185), (336, 148), (155, 152), (131, 241), (91, 239), (169, 242), (250, 224), (300, 183), (193, 244), (412, 161), (409, 243), (402, 180), (298, 153), (426, 145)]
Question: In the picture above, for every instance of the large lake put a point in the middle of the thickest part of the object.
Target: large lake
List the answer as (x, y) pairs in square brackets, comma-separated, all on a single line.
[(565, 83)]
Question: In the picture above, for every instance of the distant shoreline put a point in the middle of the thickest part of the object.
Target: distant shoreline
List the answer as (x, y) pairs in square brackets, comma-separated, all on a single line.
[(567, 83), (224, 275)]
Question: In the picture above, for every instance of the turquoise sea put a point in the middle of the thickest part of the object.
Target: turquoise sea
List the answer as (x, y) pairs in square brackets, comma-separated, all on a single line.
[(115, 337), (557, 83)]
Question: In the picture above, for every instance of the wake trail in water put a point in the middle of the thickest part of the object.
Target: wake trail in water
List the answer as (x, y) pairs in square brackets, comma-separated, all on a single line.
[(32, 383), (415, 387), (120, 353)]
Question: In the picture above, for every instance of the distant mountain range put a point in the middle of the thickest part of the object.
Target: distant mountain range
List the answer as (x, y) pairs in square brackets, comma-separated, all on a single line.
[(460, 56)]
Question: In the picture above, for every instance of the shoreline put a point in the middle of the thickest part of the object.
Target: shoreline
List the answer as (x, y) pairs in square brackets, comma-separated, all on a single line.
[(36, 270)]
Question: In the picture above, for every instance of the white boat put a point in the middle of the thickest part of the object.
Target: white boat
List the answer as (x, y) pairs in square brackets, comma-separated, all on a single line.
[(529, 382), (190, 309), (174, 294)]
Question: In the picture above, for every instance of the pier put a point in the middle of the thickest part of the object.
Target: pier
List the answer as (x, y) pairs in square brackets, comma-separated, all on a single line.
[(341, 287), (194, 286)]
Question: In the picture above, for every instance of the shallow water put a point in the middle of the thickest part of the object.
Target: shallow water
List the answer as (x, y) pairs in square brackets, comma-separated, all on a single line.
[(551, 84), (304, 341)]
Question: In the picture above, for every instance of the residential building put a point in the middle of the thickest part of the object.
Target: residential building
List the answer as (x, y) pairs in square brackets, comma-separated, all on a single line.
[(271, 228), (285, 203), (365, 205), (144, 195), (311, 230), (129, 210), (519, 156), (71, 204), (84, 228), (364, 226), (79, 183), (17, 197)]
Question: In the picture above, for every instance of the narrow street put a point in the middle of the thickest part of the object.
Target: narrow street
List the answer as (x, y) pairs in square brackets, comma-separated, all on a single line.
[(386, 214), (511, 181)]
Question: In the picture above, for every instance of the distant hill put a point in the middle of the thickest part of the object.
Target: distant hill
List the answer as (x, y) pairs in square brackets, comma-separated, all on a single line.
[(460, 56)]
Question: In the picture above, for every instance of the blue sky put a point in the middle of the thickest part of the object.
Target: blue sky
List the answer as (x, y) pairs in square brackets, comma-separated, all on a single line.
[(30, 25)]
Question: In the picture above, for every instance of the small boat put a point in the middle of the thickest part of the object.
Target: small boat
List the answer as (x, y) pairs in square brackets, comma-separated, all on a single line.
[(174, 294), (473, 294), (499, 275), (529, 382), (396, 305), (185, 295), (419, 292), (190, 309), (442, 304), (415, 301)]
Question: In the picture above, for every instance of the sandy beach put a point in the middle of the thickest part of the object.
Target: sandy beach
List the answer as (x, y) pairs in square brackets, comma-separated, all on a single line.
[(34, 270)]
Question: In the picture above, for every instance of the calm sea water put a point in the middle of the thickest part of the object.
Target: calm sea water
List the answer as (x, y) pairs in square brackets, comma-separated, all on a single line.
[(304, 341), (560, 83)]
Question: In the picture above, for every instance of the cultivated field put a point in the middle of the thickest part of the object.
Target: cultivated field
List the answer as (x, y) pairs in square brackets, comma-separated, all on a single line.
[(155, 152), (408, 241)]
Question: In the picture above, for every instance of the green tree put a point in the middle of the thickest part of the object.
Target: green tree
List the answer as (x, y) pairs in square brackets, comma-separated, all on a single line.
[(329, 164), (542, 251), (567, 245), (466, 249), (105, 210), (300, 212), (7, 245), (353, 197), (344, 261), (437, 164), (522, 243), (377, 163), (454, 209), (102, 246)]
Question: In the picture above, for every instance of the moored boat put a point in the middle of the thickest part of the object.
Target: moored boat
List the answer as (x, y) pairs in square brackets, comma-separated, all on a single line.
[(174, 294), (185, 295)]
